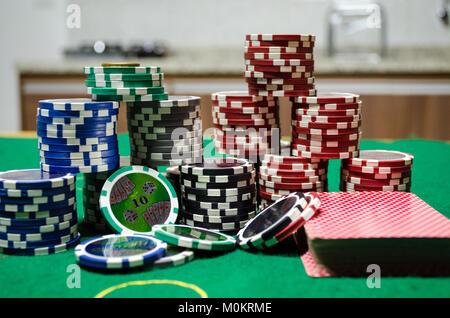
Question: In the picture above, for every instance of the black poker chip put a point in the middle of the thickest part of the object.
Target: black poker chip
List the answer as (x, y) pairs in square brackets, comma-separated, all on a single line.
[(219, 192), (197, 204), (213, 185), (191, 215)]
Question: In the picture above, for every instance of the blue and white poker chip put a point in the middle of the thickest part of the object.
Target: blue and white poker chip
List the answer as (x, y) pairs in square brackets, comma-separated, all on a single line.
[(76, 104), (14, 193), (37, 207), (34, 179), (37, 244), (87, 141), (39, 229), (87, 155), (79, 148), (77, 113), (53, 249), (76, 120), (36, 222), (39, 214), (80, 162), (75, 133), (70, 128), (38, 200), (118, 251), (37, 237), (79, 169)]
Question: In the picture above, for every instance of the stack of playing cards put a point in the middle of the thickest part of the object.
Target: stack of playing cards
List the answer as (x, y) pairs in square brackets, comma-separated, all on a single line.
[(396, 231)]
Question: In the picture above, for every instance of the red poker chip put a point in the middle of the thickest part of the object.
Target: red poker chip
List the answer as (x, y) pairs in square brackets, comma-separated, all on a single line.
[(243, 145), (248, 129), (280, 69), (219, 115), (292, 173), (240, 96), (381, 158), (239, 104), (325, 143), (287, 56), (302, 44), (277, 49), (325, 132), (334, 125), (329, 106), (313, 204), (380, 176), (325, 155), (280, 81), (254, 134), (311, 112), (315, 149), (310, 92), (358, 187), (295, 166), (326, 119), (326, 98), (288, 180), (280, 37), (378, 170), (270, 196), (306, 188), (291, 160), (241, 153), (244, 110), (279, 62), (375, 182), (341, 138), (244, 122), (275, 87), (287, 75)]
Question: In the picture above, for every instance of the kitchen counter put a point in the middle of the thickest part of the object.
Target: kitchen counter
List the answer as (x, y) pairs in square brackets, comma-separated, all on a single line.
[(229, 62)]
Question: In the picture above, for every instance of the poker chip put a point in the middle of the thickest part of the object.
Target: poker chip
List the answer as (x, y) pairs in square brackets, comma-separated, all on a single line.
[(37, 212), (291, 186), (280, 37), (175, 256), (122, 84), (120, 251), (277, 221), (377, 170), (194, 237), (275, 56), (326, 98), (135, 198), (381, 158), (276, 49), (332, 125), (339, 138), (280, 69), (307, 92), (129, 77), (321, 155), (296, 44), (73, 114), (121, 70), (130, 98), (273, 75), (324, 132), (242, 120), (292, 173), (325, 149), (293, 180), (159, 131), (279, 62), (221, 187)]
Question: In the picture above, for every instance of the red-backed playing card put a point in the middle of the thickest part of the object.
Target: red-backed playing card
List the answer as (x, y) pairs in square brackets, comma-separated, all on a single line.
[(395, 230)]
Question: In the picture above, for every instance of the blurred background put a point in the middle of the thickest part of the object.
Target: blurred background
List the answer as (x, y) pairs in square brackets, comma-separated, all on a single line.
[(395, 53)]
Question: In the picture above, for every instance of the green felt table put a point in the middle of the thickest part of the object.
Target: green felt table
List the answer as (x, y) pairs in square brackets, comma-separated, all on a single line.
[(275, 273)]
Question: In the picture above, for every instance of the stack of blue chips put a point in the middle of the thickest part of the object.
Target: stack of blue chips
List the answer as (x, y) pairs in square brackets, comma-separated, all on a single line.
[(77, 135), (38, 212)]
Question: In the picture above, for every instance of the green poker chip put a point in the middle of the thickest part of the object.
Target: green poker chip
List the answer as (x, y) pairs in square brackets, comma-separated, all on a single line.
[(122, 84), (194, 237), (125, 90), (125, 77), (121, 70), (136, 198), (130, 98)]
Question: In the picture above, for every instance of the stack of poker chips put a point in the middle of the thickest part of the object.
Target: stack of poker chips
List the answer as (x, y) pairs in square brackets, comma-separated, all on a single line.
[(326, 126), (279, 64), (377, 170), (166, 132), (243, 124), (281, 175), (38, 212), (218, 194), (124, 82), (93, 184), (77, 135)]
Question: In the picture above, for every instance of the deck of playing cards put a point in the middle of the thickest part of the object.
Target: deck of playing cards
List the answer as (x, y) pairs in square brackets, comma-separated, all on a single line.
[(397, 231)]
